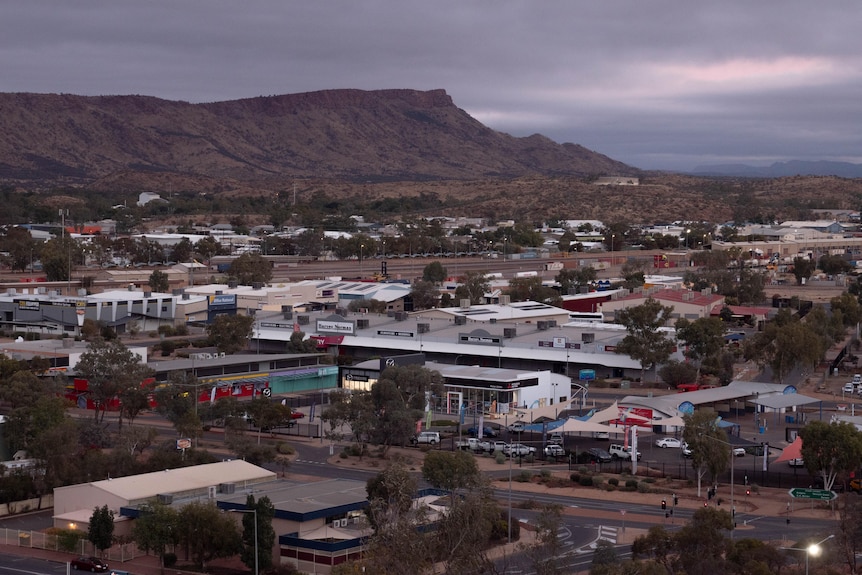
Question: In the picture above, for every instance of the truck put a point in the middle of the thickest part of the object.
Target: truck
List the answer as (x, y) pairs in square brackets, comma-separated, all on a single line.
[(473, 444), (554, 266), (622, 452), (498, 447)]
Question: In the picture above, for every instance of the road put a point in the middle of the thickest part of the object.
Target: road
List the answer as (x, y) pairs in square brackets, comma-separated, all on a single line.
[(18, 565)]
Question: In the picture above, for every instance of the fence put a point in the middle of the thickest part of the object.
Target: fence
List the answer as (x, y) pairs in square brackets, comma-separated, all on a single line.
[(53, 542)]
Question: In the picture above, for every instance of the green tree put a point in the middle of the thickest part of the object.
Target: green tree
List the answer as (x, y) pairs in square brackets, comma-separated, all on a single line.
[(831, 450), (848, 305), (784, 343), (230, 333), (834, 265), (473, 286), (177, 402), (101, 530), (263, 537), (605, 559), (451, 470), (434, 273), (709, 452), (545, 553), (207, 533), (645, 342), (20, 246), (58, 256), (702, 544), (802, 269), (390, 492), (703, 337), (110, 368), (399, 397), (531, 289), (249, 269), (675, 373), (299, 344), (571, 280), (424, 295), (156, 529), (182, 251), (158, 282), (207, 247)]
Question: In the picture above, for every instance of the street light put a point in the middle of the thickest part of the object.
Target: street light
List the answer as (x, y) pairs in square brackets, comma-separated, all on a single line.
[(361, 248), (256, 563), (732, 506), (687, 234), (812, 550)]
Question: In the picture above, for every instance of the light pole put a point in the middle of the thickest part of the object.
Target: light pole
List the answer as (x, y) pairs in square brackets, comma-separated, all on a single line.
[(732, 506), (361, 249), (256, 563), (812, 550), (687, 234)]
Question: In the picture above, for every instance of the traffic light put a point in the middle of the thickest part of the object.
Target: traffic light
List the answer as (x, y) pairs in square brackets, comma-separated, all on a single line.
[(383, 268), (663, 504), (748, 492)]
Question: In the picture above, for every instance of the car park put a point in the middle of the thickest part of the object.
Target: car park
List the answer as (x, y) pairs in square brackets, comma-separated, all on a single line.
[(665, 442), (91, 564)]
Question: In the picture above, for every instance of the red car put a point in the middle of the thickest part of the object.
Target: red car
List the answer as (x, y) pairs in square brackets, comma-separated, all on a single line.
[(92, 564)]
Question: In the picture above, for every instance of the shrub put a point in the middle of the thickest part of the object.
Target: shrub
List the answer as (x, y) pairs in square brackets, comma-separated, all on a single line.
[(170, 559), (500, 458), (575, 477), (614, 481), (631, 484), (643, 487), (597, 481), (585, 481), (524, 477), (545, 474)]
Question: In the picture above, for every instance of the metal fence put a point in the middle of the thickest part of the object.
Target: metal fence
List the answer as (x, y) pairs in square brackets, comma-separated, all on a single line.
[(51, 542)]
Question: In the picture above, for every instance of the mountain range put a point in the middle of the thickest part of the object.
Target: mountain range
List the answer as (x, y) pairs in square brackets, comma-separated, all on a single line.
[(349, 135)]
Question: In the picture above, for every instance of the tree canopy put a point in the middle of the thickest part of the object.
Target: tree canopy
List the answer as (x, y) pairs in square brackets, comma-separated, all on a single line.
[(645, 342), (110, 368), (230, 333)]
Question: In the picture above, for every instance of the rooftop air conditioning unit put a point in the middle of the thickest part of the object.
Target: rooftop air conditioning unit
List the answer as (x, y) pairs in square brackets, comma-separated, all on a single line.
[(552, 323), (588, 337), (186, 296), (542, 325), (400, 316), (423, 327), (342, 311), (362, 324), (493, 320), (460, 320), (211, 492), (286, 308), (287, 315), (302, 320), (505, 299), (227, 488), (465, 303), (510, 332), (257, 285), (165, 498)]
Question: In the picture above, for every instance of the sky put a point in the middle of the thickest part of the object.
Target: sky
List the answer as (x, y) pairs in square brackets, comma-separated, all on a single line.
[(657, 84)]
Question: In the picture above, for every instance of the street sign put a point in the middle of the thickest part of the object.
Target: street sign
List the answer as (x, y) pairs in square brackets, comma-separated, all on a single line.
[(819, 494)]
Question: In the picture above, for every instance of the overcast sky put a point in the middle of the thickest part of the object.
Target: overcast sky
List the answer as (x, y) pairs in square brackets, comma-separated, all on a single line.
[(658, 84)]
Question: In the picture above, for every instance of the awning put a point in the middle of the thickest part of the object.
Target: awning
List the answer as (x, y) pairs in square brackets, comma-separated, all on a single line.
[(792, 451), (784, 401)]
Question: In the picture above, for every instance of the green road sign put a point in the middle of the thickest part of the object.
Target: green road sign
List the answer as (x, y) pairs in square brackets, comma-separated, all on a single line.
[(820, 494)]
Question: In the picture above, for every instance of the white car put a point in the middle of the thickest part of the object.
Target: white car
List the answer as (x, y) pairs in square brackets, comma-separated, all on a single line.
[(517, 427), (796, 462), (518, 449), (665, 442), (686, 450), (739, 452), (849, 387)]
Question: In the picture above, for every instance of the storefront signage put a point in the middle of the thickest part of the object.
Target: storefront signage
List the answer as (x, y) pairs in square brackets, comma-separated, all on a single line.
[(392, 333), (331, 326)]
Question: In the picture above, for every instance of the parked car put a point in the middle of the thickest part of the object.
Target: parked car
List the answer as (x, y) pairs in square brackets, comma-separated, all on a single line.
[(686, 450), (849, 387), (554, 450), (498, 446), (755, 449), (665, 442), (602, 435), (857, 379), (856, 485), (555, 439), (486, 432), (517, 427), (426, 437), (739, 452), (796, 462), (518, 450), (92, 564), (599, 455), (622, 452)]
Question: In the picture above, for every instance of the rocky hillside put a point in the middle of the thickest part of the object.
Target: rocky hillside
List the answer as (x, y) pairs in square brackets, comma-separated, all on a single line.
[(348, 135)]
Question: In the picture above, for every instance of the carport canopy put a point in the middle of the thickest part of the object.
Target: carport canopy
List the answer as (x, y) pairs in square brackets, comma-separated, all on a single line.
[(784, 401)]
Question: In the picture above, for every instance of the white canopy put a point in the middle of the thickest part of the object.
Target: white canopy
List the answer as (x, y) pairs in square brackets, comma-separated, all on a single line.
[(546, 411), (573, 425)]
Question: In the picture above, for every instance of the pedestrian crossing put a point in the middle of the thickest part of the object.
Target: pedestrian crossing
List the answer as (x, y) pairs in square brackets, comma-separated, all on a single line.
[(607, 534)]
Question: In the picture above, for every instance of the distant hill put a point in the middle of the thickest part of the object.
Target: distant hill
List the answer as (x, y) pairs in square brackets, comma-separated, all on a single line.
[(783, 170), (350, 135)]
